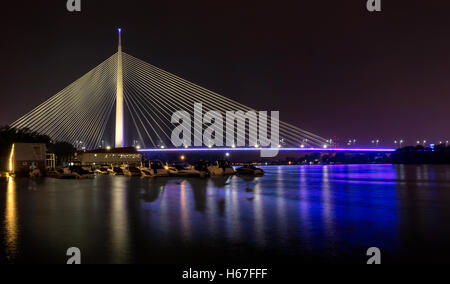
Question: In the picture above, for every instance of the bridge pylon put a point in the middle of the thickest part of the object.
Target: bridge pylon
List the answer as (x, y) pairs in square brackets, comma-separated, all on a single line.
[(119, 134)]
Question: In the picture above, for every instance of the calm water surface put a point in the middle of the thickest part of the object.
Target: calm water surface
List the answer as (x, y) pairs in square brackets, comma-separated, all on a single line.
[(292, 214)]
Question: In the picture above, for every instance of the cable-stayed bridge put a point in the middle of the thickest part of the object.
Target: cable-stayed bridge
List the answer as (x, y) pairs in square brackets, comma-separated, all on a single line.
[(125, 101)]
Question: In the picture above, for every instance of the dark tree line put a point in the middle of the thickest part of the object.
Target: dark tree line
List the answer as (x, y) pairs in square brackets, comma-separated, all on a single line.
[(10, 135), (422, 155)]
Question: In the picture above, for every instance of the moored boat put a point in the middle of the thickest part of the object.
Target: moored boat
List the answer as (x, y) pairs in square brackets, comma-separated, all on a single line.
[(227, 168), (115, 171), (215, 169), (249, 170), (101, 171), (131, 171), (159, 169), (81, 173)]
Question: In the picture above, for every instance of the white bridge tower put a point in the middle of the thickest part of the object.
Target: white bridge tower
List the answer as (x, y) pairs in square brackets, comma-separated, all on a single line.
[(119, 141)]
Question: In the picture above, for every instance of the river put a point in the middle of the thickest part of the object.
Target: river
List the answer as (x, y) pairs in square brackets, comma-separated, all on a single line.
[(293, 214)]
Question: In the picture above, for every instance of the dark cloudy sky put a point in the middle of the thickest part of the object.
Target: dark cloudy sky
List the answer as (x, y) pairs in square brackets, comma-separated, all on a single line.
[(328, 66)]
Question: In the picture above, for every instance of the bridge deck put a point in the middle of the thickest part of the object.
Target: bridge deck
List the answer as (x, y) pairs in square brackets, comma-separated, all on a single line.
[(361, 150)]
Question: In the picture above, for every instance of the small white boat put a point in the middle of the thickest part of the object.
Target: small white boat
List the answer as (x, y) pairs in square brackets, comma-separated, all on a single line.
[(192, 171), (115, 171), (147, 173), (101, 171), (156, 169), (130, 171), (184, 170)]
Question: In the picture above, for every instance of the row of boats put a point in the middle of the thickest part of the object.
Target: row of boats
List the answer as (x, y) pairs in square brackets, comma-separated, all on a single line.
[(159, 169)]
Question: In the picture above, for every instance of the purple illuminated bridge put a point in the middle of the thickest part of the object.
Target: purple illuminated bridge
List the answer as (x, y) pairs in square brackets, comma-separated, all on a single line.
[(225, 149)]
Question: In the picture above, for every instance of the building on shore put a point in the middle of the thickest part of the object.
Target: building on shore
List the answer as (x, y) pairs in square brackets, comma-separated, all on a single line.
[(25, 157), (105, 157)]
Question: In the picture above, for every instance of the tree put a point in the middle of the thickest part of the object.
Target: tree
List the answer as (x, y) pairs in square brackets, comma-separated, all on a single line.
[(64, 151)]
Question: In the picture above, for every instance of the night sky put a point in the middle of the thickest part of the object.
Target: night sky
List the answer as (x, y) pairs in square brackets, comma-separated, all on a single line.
[(328, 66)]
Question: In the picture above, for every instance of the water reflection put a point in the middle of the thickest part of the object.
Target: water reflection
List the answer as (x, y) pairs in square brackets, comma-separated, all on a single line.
[(118, 222), (184, 212), (304, 219), (154, 190), (258, 214), (330, 211), (199, 187), (327, 203), (281, 206), (234, 230), (11, 245)]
